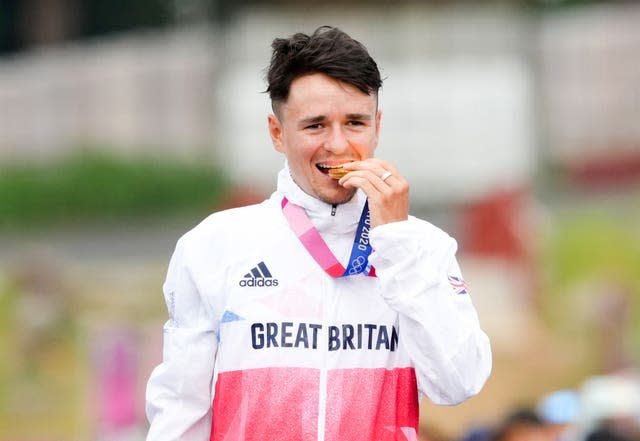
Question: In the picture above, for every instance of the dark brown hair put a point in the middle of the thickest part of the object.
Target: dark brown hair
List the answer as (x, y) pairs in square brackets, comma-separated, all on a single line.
[(329, 51)]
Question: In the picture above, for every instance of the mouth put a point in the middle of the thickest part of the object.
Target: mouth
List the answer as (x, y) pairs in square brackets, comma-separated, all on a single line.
[(334, 171)]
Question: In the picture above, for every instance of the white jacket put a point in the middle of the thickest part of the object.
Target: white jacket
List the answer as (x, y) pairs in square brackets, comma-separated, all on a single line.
[(261, 344)]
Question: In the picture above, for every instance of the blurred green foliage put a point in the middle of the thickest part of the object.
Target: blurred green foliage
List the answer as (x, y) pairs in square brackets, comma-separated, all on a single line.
[(595, 245), (99, 187), (592, 260), (40, 364)]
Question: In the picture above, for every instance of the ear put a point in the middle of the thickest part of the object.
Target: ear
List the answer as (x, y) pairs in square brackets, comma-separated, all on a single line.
[(377, 125), (275, 130)]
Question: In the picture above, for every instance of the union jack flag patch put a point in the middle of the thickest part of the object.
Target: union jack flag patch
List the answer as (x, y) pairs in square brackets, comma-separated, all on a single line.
[(458, 285)]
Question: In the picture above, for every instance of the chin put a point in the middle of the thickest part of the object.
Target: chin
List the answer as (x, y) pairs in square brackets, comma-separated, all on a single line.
[(336, 199)]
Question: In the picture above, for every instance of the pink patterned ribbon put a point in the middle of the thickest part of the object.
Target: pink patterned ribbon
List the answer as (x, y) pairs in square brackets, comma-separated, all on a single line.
[(317, 247)]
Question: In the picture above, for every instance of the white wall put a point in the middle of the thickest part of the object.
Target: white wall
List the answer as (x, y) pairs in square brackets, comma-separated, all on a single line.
[(145, 92), (590, 66)]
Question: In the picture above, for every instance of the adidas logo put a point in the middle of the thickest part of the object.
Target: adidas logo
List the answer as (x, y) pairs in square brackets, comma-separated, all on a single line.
[(259, 276)]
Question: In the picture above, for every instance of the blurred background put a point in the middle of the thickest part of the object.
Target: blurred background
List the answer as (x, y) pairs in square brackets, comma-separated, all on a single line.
[(123, 124)]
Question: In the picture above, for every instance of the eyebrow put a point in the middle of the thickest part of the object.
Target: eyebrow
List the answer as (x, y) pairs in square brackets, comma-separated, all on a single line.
[(359, 116), (312, 120), (320, 118)]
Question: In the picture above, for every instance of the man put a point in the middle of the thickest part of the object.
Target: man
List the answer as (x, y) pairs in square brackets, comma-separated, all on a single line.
[(269, 336)]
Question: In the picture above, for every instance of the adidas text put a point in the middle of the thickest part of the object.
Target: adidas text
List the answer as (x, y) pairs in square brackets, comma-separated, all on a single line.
[(258, 282)]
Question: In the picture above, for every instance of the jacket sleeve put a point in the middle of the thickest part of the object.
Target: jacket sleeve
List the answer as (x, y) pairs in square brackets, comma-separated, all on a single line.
[(439, 325), (178, 398)]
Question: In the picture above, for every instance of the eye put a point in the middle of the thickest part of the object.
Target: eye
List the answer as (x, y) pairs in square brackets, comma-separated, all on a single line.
[(355, 122), (314, 126)]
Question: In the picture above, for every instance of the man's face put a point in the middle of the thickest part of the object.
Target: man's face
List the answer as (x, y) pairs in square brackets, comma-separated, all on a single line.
[(324, 122)]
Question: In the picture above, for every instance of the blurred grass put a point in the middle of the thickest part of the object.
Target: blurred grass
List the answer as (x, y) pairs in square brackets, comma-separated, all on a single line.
[(593, 258), (596, 244), (98, 187), (40, 379)]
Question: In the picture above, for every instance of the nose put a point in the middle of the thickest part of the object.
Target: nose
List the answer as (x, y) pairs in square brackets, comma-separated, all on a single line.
[(336, 141)]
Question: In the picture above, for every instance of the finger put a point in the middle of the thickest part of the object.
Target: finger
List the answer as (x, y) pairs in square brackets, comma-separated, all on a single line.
[(380, 166), (375, 168), (386, 175), (395, 177), (385, 204), (367, 180)]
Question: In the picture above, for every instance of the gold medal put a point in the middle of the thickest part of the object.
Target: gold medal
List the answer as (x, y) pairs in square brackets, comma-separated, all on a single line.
[(337, 173)]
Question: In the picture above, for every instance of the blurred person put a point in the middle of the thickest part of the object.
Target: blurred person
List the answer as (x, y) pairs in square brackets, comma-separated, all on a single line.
[(610, 407), (269, 336), (612, 431), (522, 424), (478, 433), (559, 411)]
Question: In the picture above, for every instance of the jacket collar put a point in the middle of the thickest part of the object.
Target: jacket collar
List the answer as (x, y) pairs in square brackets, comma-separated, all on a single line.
[(345, 218)]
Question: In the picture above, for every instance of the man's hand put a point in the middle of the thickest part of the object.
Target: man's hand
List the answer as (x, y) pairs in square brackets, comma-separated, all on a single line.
[(386, 189)]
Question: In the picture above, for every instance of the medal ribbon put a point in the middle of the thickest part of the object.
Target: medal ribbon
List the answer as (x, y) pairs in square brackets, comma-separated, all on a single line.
[(317, 247)]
